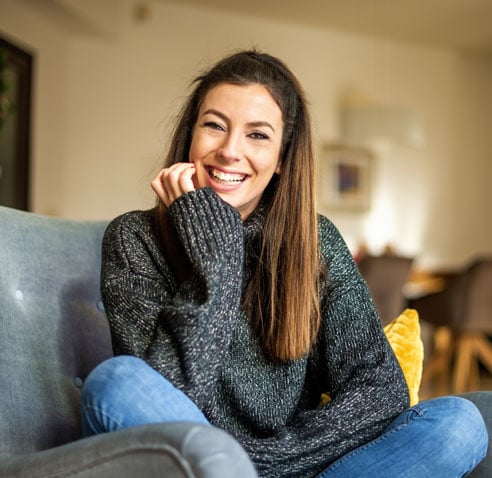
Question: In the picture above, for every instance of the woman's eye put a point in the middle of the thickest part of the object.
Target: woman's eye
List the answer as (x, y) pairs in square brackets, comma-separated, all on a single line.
[(258, 135), (213, 125)]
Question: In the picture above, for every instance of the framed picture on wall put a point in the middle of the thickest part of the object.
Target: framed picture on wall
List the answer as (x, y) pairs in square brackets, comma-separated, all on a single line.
[(15, 123), (345, 180)]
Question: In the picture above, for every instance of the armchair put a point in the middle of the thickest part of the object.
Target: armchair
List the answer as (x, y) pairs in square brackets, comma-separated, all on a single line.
[(53, 332)]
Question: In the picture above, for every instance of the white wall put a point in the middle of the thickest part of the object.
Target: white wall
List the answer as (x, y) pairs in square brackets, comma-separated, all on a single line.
[(106, 95)]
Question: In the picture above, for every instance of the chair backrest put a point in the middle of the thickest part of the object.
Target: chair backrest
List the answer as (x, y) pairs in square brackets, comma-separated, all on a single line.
[(385, 276), (53, 330), (476, 311), (465, 304)]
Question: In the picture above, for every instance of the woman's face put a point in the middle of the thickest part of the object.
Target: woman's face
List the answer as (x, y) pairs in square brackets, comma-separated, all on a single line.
[(236, 143)]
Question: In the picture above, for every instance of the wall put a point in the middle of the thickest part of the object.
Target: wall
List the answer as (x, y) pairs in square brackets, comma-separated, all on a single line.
[(49, 127), (107, 91)]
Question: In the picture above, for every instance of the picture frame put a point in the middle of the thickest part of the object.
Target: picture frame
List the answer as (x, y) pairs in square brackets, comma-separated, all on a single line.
[(16, 70), (345, 179)]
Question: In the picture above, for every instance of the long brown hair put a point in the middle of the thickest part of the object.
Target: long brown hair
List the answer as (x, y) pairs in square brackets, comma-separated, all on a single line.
[(281, 300)]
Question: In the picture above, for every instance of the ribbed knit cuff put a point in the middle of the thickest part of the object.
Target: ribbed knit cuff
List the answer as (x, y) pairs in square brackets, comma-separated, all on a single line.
[(207, 226)]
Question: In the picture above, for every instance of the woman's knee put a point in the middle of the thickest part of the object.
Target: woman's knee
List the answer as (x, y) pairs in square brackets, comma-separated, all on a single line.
[(473, 421), (467, 420), (125, 391), (118, 366), (459, 430), (110, 376), (108, 392)]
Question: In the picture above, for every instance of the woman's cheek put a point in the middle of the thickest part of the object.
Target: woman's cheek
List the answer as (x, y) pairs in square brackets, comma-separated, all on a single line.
[(199, 179)]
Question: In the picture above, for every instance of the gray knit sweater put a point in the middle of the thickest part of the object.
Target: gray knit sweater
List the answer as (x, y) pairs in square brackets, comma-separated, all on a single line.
[(196, 334)]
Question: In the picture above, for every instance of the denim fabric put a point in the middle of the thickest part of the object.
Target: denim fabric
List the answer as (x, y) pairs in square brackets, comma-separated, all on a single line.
[(444, 437), (124, 392), (440, 438)]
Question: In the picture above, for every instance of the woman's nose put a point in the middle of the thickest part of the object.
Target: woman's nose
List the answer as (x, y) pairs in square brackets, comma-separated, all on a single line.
[(231, 148)]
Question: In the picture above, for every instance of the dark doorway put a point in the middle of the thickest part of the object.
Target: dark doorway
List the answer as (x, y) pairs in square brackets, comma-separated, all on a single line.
[(15, 119)]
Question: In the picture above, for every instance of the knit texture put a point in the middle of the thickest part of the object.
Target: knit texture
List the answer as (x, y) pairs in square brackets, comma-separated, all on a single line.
[(197, 335)]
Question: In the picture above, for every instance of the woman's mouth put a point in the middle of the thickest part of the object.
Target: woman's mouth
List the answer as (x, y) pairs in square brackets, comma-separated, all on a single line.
[(222, 177)]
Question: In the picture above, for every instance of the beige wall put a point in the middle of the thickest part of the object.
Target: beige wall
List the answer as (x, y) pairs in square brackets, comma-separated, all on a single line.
[(107, 87)]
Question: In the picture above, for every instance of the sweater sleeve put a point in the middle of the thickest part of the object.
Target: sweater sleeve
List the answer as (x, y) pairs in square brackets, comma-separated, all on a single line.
[(182, 330), (360, 372)]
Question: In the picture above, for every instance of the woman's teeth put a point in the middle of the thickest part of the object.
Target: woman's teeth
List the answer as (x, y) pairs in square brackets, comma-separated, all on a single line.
[(226, 178)]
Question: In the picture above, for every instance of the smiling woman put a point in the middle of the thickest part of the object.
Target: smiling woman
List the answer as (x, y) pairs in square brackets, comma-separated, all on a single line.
[(247, 117), (240, 306), (236, 144)]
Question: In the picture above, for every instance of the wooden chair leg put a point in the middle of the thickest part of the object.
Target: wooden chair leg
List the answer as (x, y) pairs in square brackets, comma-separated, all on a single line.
[(468, 349), (484, 350), (439, 366), (471, 349), (464, 363), (474, 374)]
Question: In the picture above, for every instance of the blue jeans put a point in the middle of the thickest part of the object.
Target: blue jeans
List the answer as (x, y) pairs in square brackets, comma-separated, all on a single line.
[(444, 437)]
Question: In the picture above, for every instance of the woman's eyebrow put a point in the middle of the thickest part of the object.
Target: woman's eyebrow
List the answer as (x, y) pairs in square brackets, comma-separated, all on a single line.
[(254, 124), (257, 124)]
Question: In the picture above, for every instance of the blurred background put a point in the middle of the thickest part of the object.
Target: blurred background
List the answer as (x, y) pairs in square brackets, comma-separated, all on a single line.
[(408, 81), (400, 91)]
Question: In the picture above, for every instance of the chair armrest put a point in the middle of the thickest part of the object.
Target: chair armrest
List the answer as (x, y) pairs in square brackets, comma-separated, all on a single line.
[(483, 401), (171, 450)]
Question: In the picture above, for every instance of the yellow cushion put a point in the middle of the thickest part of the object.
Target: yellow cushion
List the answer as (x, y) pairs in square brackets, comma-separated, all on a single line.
[(404, 337)]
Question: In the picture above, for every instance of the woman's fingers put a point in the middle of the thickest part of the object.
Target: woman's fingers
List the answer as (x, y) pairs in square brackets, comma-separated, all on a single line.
[(173, 182)]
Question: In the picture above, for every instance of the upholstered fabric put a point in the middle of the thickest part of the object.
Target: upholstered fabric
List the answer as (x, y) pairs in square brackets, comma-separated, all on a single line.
[(484, 403), (53, 331), (179, 450)]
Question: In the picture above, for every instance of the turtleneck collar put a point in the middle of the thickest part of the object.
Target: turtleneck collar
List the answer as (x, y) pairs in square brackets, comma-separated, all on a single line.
[(253, 225)]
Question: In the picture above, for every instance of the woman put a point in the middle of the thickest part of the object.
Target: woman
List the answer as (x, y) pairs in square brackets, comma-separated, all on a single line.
[(233, 304)]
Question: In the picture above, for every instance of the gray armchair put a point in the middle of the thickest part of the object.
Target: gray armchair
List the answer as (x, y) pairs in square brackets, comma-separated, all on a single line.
[(53, 332)]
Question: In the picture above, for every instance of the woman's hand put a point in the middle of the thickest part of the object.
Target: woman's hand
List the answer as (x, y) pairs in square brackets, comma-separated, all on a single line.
[(173, 182)]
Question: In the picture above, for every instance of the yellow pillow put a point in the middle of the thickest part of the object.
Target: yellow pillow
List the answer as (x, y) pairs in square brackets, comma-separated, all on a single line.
[(404, 337)]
